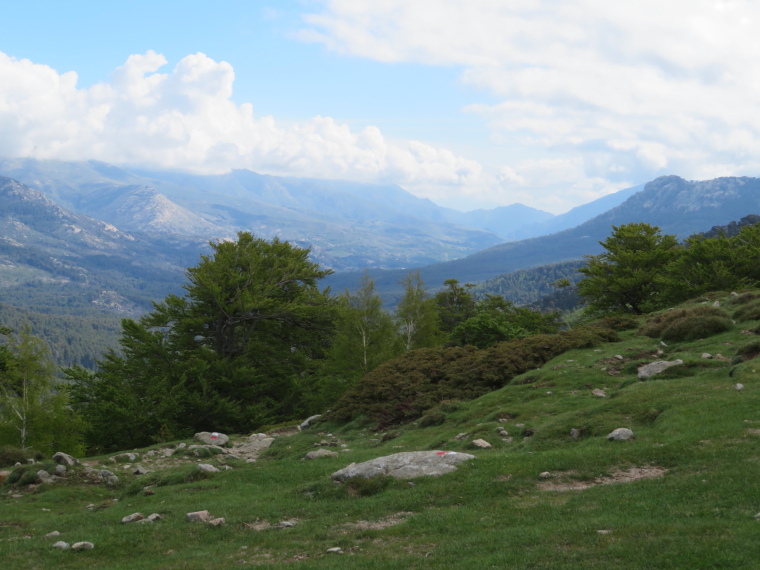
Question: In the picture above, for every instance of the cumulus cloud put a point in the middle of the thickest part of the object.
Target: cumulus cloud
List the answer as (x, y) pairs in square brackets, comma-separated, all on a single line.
[(185, 119), (623, 91)]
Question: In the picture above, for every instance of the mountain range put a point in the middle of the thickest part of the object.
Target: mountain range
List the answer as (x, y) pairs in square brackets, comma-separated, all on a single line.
[(97, 235)]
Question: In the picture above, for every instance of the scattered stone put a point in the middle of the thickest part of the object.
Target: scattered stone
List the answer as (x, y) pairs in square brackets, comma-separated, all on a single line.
[(125, 457), (140, 470), (575, 433), (286, 524), (619, 357), (707, 355), (182, 445), (82, 546), (599, 393), (90, 507), (481, 443), (662, 343), (53, 534), (211, 438), (307, 423), (321, 453), (62, 545), (335, 550), (134, 517), (519, 425), (757, 517), (405, 465), (217, 522), (60, 470), (207, 468), (502, 432), (620, 434), (739, 386), (44, 477), (461, 436), (604, 531), (657, 367), (716, 304), (545, 475), (154, 517), (198, 516), (65, 459)]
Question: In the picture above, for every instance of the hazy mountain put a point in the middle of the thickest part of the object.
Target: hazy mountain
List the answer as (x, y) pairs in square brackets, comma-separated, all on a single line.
[(675, 205), (507, 222)]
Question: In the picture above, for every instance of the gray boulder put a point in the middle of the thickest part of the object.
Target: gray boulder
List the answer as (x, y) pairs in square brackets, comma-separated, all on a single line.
[(307, 421), (657, 367), (211, 438), (318, 453), (620, 434), (405, 465), (65, 459)]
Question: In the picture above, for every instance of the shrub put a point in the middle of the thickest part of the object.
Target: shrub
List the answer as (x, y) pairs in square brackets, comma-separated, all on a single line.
[(10, 455), (656, 325), (748, 312), (745, 298), (617, 322), (749, 350), (692, 328)]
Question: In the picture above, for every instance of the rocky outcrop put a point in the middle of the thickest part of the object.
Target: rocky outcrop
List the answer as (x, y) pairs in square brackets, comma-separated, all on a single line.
[(211, 438), (653, 368), (405, 465)]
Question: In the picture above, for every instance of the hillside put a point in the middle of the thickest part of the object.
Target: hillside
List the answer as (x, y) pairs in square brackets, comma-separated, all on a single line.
[(673, 204), (551, 491)]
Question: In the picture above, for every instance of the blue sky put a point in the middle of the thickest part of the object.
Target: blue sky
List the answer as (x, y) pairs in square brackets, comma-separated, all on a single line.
[(472, 103)]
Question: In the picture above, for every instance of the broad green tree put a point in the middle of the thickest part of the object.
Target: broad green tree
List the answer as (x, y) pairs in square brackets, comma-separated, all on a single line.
[(235, 352), (631, 275), (455, 304)]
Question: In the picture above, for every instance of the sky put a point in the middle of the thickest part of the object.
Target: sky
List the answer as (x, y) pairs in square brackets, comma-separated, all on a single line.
[(471, 103)]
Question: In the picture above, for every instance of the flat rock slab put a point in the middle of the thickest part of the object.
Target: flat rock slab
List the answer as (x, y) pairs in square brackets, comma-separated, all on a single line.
[(211, 438), (405, 465), (657, 367)]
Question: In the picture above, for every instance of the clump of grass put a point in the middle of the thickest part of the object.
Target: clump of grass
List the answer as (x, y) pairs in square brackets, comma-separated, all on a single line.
[(27, 474), (748, 312), (617, 322), (180, 476), (745, 298), (749, 350), (687, 324)]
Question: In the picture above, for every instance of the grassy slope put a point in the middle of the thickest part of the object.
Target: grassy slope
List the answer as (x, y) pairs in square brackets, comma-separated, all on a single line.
[(691, 421)]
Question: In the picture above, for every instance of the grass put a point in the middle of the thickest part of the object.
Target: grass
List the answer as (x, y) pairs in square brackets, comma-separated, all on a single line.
[(491, 512)]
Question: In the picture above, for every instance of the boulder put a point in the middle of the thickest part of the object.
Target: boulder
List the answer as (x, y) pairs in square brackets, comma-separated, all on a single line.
[(307, 422), (199, 516), (599, 393), (65, 459), (657, 367), (480, 443), (211, 438), (620, 434), (134, 517), (82, 546), (206, 468), (62, 545), (405, 465)]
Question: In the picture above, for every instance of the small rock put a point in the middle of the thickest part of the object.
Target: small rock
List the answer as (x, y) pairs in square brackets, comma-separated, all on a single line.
[(134, 517), (461, 436), (481, 443), (739, 386), (125, 457), (182, 445), (154, 517), (206, 468), (648, 370), (60, 470), (604, 531), (286, 524), (53, 534), (599, 393), (620, 434), (335, 550), (575, 433), (545, 475), (320, 453), (44, 477), (520, 425), (662, 343), (90, 506), (82, 546), (217, 522), (308, 421), (65, 459), (707, 355), (198, 516), (619, 357), (211, 438), (716, 304), (140, 470), (62, 545)]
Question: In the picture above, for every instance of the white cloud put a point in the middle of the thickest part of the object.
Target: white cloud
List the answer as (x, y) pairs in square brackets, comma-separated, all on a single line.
[(185, 119), (624, 91)]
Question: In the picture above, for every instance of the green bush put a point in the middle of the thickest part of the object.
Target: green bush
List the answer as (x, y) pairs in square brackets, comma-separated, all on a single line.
[(655, 326), (748, 312), (692, 328), (749, 350), (617, 322), (10, 455), (27, 474), (745, 298)]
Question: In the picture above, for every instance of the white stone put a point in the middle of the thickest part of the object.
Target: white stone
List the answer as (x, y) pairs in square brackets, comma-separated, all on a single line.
[(198, 516), (206, 468), (62, 545), (481, 443), (134, 517), (620, 434), (82, 546)]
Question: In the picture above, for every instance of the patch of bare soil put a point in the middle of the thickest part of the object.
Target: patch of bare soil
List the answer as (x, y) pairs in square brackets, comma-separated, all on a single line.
[(618, 476), (375, 525)]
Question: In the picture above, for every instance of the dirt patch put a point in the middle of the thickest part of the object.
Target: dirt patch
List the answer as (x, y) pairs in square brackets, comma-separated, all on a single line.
[(618, 476), (375, 525)]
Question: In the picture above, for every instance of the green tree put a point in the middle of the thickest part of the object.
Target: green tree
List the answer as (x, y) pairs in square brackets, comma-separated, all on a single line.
[(631, 275), (455, 304), (34, 410), (416, 316), (233, 353)]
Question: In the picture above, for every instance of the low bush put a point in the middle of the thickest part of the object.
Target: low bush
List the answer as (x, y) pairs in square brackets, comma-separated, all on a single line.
[(745, 298), (749, 350), (656, 325), (10, 455), (748, 312), (617, 322), (692, 328)]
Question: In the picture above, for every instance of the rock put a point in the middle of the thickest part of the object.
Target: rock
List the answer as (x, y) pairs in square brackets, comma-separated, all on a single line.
[(604, 531), (154, 517), (206, 468), (82, 546), (461, 436), (125, 457), (198, 516), (620, 434), (65, 459), (320, 453), (134, 517), (739, 386), (545, 475), (44, 477), (53, 534), (182, 445), (707, 355), (286, 524), (307, 422), (575, 433), (480, 443), (217, 522), (62, 545), (716, 304), (335, 550), (211, 438), (599, 393), (60, 470), (405, 465), (140, 470), (657, 367), (520, 425)]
